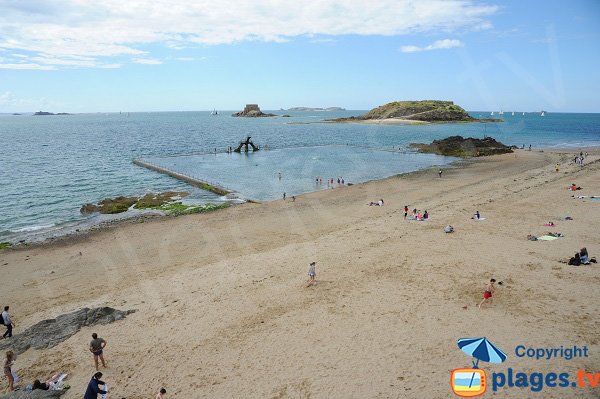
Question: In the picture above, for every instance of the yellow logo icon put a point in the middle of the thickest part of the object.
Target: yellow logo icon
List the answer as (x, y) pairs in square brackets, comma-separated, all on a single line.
[(468, 382)]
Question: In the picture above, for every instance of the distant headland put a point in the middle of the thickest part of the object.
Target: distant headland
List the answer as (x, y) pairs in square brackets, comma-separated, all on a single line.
[(310, 109), (414, 112), (43, 113)]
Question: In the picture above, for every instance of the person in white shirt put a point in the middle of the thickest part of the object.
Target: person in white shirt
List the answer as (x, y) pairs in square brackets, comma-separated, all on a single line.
[(311, 274)]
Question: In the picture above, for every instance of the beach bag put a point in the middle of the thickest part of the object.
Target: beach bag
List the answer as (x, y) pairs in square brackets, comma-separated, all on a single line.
[(2, 320)]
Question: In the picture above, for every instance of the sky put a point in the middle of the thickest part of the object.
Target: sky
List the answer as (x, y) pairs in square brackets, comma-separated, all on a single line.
[(181, 55)]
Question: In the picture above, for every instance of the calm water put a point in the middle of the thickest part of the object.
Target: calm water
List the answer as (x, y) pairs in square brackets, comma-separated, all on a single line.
[(51, 165)]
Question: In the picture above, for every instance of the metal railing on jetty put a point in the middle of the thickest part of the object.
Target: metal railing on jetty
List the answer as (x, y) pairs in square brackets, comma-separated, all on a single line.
[(203, 184)]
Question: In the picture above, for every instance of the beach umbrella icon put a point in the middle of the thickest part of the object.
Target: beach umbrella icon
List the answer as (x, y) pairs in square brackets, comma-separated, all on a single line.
[(481, 349)]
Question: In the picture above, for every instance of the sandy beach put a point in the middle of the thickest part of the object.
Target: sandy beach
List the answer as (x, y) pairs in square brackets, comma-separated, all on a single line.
[(223, 310)]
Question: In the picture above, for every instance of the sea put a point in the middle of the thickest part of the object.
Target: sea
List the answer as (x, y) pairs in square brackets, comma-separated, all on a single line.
[(51, 165)]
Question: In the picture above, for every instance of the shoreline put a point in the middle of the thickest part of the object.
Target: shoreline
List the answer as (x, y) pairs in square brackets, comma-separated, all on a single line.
[(91, 229)]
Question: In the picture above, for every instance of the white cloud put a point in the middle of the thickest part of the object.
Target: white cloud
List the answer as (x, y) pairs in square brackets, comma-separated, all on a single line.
[(27, 66), (147, 61), (437, 45), (115, 28)]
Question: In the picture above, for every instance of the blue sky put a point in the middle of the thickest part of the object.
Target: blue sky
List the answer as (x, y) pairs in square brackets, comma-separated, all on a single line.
[(79, 56)]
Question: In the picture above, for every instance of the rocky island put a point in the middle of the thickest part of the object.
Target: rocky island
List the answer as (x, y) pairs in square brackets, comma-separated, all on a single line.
[(309, 109), (457, 146), (44, 113), (251, 111), (407, 112)]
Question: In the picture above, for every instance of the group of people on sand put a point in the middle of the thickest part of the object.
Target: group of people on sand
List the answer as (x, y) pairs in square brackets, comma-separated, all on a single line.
[(581, 258), (56, 382)]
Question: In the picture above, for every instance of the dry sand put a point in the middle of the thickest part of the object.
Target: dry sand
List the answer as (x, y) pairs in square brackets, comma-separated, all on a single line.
[(223, 311)]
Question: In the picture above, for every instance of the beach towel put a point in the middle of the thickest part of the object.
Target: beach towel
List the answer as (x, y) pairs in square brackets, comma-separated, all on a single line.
[(548, 225), (547, 238), (478, 220)]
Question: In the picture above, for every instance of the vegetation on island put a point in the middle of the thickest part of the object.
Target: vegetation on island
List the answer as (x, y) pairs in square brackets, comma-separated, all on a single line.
[(433, 111), (457, 146)]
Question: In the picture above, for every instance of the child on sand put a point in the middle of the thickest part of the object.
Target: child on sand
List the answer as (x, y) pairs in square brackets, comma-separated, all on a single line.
[(312, 274), (161, 394), (488, 293)]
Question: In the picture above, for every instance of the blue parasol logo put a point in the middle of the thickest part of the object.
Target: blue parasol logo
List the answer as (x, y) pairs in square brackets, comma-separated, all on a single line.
[(469, 382)]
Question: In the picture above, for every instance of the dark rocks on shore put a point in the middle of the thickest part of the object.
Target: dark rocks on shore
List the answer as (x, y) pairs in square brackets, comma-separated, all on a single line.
[(251, 111), (37, 394), (49, 333), (458, 146), (122, 204), (310, 109)]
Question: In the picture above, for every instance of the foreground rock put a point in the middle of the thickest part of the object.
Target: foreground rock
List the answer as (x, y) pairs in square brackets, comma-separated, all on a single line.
[(37, 394), (422, 111), (51, 332), (122, 204), (457, 146), (252, 111)]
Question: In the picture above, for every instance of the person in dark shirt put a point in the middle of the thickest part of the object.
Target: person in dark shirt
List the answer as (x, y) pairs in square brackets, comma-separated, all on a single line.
[(93, 389)]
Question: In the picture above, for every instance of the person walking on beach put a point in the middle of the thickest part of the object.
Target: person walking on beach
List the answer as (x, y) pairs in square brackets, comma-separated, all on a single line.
[(312, 274), (405, 211), (488, 293), (7, 322), (97, 347), (161, 394), (440, 173), (284, 196), (93, 389), (7, 363)]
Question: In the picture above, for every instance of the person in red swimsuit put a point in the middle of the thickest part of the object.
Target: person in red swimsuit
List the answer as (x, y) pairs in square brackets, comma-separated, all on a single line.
[(489, 292)]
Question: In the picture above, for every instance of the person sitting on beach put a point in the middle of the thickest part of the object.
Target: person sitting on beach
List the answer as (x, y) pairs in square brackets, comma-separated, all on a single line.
[(575, 260), (54, 383), (378, 203), (476, 216), (161, 394), (583, 256), (488, 293), (425, 215), (419, 216)]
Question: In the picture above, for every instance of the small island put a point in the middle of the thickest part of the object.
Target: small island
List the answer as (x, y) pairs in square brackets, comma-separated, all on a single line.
[(251, 111), (44, 113), (309, 109), (414, 112), (469, 147)]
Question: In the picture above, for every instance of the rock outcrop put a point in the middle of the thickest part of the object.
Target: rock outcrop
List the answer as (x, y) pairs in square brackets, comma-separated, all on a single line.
[(49, 333), (122, 204), (304, 109), (458, 146), (423, 111), (37, 394), (252, 111)]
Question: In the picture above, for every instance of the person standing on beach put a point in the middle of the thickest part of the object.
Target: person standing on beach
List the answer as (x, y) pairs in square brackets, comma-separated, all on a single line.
[(405, 211), (93, 389), (312, 274), (7, 322), (96, 347), (488, 293), (7, 364), (440, 173), (284, 196)]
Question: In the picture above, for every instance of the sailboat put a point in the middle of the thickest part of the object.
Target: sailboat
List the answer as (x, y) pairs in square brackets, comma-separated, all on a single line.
[(492, 114), (501, 112), (523, 113), (513, 114), (543, 113), (215, 112)]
